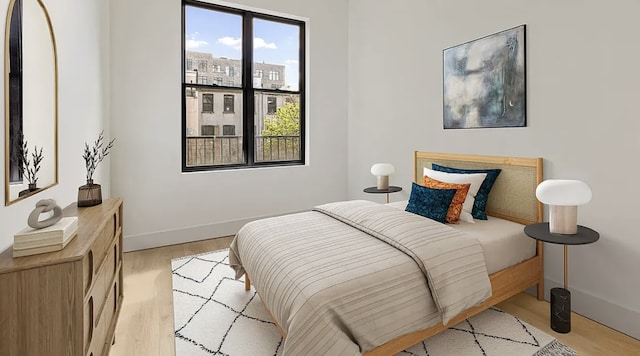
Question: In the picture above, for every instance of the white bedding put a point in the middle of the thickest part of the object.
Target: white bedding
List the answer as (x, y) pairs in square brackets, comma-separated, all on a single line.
[(503, 242)]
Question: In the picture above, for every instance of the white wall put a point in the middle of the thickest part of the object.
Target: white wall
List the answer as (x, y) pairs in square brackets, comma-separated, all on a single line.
[(81, 30), (164, 206), (582, 94)]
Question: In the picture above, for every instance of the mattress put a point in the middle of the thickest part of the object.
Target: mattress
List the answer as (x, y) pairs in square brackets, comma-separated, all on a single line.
[(503, 242)]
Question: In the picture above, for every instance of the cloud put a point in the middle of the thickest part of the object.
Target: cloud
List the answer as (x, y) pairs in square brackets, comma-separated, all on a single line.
[(193, 43), (235, 43), (261, 43), (291, 62)]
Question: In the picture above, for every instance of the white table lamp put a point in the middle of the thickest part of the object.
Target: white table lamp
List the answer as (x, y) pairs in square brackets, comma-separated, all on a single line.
[(382, 171), (563, 197)]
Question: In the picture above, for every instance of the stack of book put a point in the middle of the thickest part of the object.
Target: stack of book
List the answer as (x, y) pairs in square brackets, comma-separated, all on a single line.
[(32, 241)]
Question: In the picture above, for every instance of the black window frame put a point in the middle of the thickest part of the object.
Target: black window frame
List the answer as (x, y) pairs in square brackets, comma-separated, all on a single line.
[(246, 90)]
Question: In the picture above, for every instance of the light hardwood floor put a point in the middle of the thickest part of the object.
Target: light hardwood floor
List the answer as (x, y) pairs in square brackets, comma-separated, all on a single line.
[(145, 326)]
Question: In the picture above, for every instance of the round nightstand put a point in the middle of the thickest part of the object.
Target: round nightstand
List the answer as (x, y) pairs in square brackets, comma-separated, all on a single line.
[(375, 190), (560, 303)]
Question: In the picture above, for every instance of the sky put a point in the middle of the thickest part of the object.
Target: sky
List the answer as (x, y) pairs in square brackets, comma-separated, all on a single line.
[(220, 34)]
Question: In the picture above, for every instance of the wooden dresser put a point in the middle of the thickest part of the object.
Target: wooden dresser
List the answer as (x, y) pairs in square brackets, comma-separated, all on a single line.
[(65, 302)]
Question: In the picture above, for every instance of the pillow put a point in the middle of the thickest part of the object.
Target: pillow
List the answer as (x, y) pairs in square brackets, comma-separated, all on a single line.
[(453, 214), (475, 179), (430, 203), (480, 204)]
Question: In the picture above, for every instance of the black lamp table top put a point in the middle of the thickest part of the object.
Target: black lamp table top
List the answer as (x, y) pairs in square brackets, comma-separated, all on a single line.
[(541, 232), (391, 189)]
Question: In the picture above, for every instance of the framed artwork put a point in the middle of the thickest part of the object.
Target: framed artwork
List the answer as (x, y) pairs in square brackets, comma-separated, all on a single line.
[(485, 83)]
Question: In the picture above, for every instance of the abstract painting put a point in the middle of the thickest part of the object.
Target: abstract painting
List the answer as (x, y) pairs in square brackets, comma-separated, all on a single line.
[(485, 82)]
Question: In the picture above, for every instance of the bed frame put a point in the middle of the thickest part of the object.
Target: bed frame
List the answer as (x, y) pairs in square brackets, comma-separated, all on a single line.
[(512, 198)]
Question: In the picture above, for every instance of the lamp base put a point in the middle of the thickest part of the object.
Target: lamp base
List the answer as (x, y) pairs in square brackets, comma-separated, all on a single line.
[(563, 219), (560, 310), (383, 182)]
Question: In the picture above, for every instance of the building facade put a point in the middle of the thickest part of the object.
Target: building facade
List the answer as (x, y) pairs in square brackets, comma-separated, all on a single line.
[(218, 111)]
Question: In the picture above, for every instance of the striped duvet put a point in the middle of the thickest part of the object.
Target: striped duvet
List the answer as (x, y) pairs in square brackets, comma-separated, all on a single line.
[(350, 276)]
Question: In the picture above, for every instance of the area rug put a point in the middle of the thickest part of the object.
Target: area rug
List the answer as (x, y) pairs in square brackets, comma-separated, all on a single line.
[(214, 315)]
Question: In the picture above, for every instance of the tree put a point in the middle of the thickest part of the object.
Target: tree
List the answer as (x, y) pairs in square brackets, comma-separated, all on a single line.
[(286, 123)]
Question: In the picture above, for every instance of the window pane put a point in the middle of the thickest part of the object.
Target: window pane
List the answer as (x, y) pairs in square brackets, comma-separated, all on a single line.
[(206, 145), (207, 103), (275, 49), (278, 136), (271, 105), (213, 47), (208, 130), (229, 104)]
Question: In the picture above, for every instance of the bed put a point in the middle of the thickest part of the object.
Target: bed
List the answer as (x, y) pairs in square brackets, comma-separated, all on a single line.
[(348, 278)]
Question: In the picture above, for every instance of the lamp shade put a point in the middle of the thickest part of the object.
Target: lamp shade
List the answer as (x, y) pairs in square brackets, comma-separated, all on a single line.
[(563, 192), (563, 197), (382, 169)]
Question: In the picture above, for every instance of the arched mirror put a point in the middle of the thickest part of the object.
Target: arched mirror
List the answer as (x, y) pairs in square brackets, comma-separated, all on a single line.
[(31, 101)]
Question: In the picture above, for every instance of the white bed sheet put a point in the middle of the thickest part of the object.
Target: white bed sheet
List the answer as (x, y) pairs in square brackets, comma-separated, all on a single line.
[(504, 243)]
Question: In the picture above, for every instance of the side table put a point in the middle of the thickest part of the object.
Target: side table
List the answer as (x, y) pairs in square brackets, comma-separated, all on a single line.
[(560, 304), (375, 190)]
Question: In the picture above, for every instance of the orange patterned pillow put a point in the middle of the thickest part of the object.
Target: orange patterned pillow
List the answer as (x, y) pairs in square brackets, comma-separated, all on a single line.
[(453, 214)]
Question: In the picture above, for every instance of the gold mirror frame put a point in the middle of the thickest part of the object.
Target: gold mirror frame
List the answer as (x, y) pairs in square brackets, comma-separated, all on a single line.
[(8, 198)]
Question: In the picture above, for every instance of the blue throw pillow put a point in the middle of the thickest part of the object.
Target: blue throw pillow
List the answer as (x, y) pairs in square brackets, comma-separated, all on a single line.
[(480, 204), (429, 202)]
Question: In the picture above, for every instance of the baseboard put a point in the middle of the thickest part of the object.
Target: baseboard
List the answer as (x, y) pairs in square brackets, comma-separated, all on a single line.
[(183, 235), (617, 317)]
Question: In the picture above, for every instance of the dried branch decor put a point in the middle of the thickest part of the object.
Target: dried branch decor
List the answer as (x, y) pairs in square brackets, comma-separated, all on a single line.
[(94, 155), (22, 160)]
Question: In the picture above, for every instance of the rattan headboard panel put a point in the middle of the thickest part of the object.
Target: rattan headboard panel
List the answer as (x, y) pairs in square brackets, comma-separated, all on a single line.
[(513, 194)]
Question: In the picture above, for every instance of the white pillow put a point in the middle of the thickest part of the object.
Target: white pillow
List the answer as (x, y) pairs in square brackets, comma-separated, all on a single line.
[(475, 179)]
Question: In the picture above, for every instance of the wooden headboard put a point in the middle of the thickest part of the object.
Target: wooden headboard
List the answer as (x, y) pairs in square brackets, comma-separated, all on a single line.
[(513, 196)]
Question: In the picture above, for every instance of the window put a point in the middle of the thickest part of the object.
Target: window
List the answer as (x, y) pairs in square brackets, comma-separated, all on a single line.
[(230, 71), (228, 103), (208, 130), (257, 74), (271, 105), (228, 130), (207, 104)]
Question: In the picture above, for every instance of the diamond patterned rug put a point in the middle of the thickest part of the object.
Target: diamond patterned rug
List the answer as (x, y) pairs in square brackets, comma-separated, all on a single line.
[(214, 315)]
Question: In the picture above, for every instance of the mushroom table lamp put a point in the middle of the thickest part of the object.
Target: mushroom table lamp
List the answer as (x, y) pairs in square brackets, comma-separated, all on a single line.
[(382, 171), (563, 197)]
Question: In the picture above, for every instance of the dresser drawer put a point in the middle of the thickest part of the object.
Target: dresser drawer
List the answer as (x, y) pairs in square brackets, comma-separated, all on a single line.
[(103, 324), (93, 259), (104, 279)]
